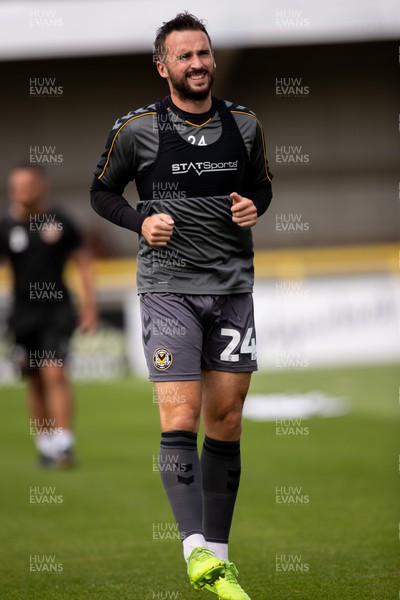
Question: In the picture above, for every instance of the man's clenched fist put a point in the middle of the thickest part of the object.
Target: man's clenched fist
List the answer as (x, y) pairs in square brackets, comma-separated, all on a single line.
[(157, 229), (244, 212)]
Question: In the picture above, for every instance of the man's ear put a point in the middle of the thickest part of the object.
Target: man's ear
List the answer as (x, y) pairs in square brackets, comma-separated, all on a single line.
[(162, 69)]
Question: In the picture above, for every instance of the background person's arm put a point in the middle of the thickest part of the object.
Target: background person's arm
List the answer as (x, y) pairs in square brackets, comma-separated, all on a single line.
[(87, 310)]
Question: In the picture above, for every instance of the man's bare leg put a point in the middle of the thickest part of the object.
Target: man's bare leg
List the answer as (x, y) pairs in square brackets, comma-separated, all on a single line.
[(223, 395), (37, 401), (59, 395), (60, 408), (179, 405), (40, 419)]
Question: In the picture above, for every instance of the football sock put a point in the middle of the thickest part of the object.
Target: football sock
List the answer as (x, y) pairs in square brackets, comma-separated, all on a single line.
[(62, 440), (43, 443), (179, 466), (220, 465), (191, 542), (220, 550)]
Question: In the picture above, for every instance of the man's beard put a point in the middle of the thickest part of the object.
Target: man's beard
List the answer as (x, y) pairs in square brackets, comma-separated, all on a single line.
[(185, 92)]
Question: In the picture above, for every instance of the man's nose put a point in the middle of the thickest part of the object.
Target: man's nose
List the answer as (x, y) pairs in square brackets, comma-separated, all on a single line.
[(196, 63)]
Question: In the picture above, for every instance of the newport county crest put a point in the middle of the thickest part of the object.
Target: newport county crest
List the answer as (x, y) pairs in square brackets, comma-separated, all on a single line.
[(162, 359)]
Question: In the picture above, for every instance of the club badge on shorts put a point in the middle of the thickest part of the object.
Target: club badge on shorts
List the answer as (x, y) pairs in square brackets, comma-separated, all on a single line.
[(162, 359)]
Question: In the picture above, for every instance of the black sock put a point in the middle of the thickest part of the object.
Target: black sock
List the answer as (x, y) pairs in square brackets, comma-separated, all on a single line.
[(180, 471), (220, 465)]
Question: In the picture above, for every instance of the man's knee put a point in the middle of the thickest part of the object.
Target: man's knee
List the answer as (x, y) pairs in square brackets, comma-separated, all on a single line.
[(225, 423), (179, 405), (186, 419), (54, 375)]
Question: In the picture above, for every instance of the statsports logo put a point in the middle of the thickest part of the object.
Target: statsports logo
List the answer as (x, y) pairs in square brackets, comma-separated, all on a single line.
[(204, 167)]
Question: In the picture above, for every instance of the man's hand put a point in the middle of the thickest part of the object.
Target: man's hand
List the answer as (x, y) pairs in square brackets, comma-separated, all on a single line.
[(88, 319), (157, 229), (244, 213)]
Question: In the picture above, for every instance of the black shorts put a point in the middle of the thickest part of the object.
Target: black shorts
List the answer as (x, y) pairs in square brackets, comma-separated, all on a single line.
[(43, 340), (183, 334)]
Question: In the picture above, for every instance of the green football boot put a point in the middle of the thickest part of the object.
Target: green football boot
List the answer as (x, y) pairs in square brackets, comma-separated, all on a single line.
[(204, 567), (228, 587)]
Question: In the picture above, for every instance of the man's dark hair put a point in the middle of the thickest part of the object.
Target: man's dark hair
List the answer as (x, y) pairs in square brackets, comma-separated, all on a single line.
[(27, 166), (182, 22)]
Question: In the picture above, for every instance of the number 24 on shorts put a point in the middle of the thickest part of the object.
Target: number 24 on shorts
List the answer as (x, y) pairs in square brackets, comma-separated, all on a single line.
[(248, 345)]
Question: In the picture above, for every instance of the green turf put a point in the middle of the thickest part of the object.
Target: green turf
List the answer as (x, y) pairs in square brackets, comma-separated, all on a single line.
[(346, 538)]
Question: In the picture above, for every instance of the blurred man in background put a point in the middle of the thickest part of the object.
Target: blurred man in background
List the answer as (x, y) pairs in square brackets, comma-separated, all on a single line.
[(38, 240), (201, 171)]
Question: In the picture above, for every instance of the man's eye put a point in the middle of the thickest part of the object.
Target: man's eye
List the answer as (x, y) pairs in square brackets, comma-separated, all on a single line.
[(182, 57)]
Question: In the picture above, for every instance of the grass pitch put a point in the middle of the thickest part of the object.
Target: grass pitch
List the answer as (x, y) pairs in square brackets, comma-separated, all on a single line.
[(111, 534)]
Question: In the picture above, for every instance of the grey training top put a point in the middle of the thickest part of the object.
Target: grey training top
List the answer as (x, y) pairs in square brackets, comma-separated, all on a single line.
[(186, 165)]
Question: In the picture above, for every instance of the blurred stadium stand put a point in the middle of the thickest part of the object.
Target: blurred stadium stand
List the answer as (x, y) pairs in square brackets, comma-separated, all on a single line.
[(345, 194)]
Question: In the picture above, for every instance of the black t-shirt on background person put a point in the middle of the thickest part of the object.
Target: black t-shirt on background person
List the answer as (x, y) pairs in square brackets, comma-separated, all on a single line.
[(37, 250)]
